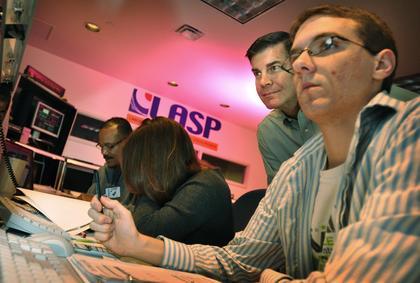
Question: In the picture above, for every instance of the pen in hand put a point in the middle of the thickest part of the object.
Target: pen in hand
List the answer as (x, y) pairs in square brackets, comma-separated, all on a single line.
[(99, 194), (98, 187)]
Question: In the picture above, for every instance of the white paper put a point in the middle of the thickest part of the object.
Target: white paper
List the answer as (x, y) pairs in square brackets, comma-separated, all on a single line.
[(67, 213)]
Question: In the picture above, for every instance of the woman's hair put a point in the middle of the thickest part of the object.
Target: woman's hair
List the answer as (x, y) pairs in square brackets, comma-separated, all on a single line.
[(157, 158)]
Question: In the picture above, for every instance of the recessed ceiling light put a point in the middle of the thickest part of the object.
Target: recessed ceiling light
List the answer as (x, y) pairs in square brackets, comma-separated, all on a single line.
[(189, 32), (92, 27), (173, 83), (224, 105)]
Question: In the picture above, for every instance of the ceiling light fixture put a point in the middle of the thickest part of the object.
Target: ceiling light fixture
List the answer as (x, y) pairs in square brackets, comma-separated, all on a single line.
[(173, 83), (92, 27), (243, 10), (224, 105)]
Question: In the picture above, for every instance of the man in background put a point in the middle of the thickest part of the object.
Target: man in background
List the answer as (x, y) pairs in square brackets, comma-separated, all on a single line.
[(285, 129), (112, 137)]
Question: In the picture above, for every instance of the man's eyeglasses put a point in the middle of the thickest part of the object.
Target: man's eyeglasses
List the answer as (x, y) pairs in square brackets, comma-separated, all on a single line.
[(324, 44), (275, 67), (108, 146)]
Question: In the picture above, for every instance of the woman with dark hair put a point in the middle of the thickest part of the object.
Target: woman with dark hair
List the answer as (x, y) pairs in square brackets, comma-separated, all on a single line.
[(171, 195)]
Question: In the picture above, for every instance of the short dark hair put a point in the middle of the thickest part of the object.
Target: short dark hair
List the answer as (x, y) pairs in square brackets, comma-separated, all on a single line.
[(268, 40), (123, 126), (373, 31), (158, 157)]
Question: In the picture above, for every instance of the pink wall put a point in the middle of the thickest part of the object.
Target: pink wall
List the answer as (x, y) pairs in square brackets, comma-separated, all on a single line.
[(101, 96)]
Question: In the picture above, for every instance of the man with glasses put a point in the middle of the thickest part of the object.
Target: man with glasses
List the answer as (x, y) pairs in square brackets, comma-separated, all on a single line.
[(112, 136), (345, 207), (286, 128)]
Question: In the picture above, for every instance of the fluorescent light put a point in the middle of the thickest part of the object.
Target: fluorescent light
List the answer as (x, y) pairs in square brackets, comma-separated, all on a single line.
[(243, 10)]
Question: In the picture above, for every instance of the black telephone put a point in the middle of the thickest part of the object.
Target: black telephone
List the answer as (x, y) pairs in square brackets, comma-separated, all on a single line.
[(5, 156)]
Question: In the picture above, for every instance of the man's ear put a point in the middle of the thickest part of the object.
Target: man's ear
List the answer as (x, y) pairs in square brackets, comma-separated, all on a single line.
[(385, 62)]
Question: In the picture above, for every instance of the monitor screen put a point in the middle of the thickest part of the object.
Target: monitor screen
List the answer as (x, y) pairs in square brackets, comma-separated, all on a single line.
[(47, 120)]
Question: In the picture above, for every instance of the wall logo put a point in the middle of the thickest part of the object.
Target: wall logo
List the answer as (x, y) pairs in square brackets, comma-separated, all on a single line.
[(151, 101), (196, 123)]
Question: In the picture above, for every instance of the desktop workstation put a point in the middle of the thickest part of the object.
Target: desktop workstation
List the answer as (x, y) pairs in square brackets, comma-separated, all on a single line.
[(41, 121)]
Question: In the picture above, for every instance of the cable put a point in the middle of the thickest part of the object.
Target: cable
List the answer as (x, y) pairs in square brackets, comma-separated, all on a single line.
[(6, 158)]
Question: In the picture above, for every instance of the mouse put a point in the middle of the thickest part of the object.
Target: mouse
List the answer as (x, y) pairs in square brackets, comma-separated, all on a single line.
[(60, 246)]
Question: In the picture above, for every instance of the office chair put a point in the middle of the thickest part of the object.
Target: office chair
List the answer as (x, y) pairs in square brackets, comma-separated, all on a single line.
[(244, 207)]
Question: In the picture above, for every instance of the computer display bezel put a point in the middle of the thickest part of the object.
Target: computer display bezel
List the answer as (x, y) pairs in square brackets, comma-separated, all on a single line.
[(35, 127)]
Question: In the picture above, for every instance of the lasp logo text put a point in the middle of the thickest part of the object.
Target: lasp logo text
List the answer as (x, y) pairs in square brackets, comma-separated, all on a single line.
[(152, 104)]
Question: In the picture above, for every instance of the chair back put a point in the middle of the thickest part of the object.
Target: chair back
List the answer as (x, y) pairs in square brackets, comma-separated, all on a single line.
[(244, 207)]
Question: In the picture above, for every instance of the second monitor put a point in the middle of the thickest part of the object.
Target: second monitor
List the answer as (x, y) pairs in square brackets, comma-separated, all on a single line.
[(47, 120)]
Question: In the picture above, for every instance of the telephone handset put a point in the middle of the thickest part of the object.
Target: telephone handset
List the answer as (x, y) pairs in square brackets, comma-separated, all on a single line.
[(5, 156)]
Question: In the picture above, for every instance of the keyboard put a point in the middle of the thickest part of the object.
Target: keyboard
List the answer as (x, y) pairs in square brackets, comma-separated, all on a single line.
[(26, 261), (91, 249), (20, 219), (22, 260)]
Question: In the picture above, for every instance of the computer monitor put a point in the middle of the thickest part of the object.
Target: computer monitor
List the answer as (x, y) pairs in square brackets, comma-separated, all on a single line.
[(47, 120), (50, 121)]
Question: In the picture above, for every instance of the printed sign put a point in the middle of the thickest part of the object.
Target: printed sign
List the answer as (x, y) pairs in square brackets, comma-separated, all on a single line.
[(199, 125)]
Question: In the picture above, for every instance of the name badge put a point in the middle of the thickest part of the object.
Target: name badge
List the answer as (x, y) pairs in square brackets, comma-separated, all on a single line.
[(113, 192)]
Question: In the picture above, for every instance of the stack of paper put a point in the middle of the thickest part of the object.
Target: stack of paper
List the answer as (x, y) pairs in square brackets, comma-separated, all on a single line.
[(68, 213)]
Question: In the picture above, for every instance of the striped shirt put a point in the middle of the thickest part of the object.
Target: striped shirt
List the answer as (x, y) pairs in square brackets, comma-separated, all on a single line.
[(378, 219)]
